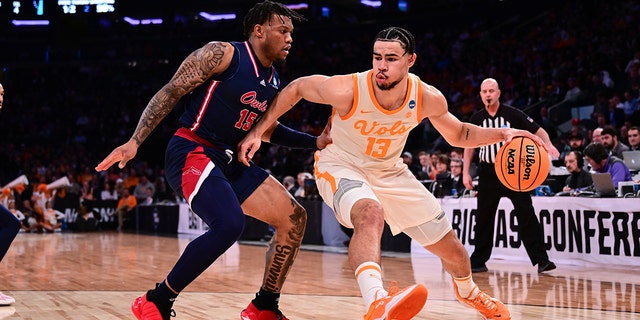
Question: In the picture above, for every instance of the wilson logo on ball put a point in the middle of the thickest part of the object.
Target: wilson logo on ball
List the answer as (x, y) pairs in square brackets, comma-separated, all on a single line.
[(522, 165)]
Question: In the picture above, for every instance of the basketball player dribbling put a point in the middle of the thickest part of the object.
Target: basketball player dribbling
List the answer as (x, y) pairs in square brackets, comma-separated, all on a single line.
[(361, 176), (226, 87)]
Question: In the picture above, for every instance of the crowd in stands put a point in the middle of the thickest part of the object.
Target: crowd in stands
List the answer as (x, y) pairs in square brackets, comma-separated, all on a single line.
[(72, 96)]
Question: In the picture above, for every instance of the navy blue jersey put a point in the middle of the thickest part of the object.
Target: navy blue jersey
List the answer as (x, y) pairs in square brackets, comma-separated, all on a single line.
[(224, 108)]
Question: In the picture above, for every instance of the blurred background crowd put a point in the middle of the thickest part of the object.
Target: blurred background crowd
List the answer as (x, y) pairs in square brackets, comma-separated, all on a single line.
[(74, 89)]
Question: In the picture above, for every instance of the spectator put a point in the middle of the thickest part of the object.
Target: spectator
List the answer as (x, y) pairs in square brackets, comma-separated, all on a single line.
[(609, 140), (630, 104), (615, 112), (162, 191), (302, 177), (601, 161), (433, 164), (457, 183), (131, 178), (148, 200), (289, 183), (125, 207), (575, 143), (634, 138), (141, 189), (109, 192), (424, 160), (456, 153), (573, 92), (596, 134), (442, 166), (407, 158), (87, 191)]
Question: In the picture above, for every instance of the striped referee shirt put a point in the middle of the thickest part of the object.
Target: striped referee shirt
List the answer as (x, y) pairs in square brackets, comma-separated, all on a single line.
[(506, 117)]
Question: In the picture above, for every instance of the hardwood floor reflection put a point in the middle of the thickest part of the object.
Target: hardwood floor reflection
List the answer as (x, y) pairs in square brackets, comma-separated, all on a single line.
[(97, 275)]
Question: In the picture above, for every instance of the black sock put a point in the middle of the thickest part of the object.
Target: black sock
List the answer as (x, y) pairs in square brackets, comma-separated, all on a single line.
[(266, 300), (164, 294)]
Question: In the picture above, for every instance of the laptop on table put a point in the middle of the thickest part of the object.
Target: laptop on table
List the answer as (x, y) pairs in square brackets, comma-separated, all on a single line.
[(632, 160), (603, 184)]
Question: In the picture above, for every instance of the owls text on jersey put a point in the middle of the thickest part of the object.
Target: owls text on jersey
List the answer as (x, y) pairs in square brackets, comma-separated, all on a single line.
[(223, 110)]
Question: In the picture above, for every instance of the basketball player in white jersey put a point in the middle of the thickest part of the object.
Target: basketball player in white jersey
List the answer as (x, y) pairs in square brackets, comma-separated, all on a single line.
[(362, 177)]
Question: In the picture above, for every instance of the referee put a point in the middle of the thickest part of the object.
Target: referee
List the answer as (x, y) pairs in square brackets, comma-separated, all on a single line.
[(490, 189)]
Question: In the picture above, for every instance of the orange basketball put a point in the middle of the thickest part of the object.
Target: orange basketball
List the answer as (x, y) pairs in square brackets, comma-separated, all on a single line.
[(522, 165)]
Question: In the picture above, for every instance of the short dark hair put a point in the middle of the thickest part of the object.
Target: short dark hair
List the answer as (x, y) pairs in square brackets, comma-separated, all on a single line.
[(406, 39), (262, 12), (610, 131), (596, 151), (444, 159)]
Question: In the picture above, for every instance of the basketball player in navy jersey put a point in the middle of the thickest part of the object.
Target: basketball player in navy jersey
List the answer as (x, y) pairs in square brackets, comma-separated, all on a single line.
[(491, 190), (226, 87), (9, 228)]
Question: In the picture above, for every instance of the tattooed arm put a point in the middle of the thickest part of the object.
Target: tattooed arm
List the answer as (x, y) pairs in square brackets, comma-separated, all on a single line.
[(463, 134), (213, 58)]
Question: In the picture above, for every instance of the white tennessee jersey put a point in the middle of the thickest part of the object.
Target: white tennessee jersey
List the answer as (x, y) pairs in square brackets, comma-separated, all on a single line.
[(369, 135)]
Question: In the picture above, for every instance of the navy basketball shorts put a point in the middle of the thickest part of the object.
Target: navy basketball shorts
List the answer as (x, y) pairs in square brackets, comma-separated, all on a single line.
[(188, 163)]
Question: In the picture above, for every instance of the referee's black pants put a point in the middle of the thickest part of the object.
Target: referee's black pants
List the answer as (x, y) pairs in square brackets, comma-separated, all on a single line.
[(490, 190)]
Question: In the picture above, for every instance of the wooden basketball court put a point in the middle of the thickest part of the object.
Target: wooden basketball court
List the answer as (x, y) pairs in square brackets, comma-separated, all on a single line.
[(97, 276)]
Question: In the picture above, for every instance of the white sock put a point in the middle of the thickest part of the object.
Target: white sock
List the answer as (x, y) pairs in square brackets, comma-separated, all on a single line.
[(369, 278), (466, 287)]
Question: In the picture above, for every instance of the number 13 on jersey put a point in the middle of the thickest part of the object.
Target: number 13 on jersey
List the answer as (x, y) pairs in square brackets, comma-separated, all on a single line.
[(377, 148)]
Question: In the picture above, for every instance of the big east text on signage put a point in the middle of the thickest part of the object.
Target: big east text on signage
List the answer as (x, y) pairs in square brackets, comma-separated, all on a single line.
[(573, 230)]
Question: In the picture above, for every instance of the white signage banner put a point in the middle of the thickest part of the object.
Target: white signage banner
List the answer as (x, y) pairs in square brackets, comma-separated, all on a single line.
[(579, 231)]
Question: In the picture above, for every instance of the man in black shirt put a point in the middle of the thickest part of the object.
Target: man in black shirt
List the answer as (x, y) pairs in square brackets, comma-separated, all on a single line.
[(491, 190), (579, 177)]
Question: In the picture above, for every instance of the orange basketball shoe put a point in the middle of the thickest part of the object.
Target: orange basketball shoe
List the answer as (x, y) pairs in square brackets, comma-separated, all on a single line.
[(490, 308), (398, 305), (145, 308), (252, 313)]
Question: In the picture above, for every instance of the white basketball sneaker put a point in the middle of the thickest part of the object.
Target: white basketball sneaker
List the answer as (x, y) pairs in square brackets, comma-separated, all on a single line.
[(6, 300)]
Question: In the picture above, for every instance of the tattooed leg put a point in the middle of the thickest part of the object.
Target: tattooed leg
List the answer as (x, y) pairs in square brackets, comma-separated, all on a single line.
[(273, 204), (283, 248)]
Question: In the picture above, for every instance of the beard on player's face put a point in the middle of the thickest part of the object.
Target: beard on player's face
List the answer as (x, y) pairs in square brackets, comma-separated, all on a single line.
[(388, 86)]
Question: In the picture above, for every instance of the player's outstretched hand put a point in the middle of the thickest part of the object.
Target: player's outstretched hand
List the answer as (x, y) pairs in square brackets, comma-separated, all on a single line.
[(551, 149), (121, 154), (512, 133)]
